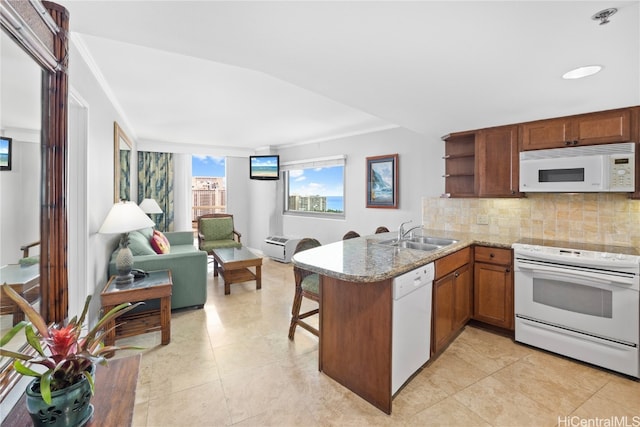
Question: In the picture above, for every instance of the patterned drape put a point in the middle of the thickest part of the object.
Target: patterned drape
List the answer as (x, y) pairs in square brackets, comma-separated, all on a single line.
[(155, 181), (125, 174)]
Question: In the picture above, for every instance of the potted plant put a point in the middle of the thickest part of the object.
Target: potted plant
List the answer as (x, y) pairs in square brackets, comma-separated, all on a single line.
[(68, 360)]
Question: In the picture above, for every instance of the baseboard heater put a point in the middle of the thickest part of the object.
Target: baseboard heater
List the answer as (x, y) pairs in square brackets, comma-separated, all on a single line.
[(280, 248)]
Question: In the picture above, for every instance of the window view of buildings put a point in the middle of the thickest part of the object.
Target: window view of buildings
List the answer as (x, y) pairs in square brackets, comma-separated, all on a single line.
[(208, 186), (308, 203), (209, 195), (317, 190)]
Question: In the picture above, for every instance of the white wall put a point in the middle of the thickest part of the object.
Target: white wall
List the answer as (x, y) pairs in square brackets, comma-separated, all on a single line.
[(420, 174), (101, 114), (239, 203), (78, 236)]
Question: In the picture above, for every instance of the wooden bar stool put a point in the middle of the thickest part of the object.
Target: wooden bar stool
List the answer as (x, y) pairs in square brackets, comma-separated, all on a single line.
[(307, 285), (350, 235)]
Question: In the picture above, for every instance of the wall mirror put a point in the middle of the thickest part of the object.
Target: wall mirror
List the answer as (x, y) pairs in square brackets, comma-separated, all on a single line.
[(122, 150), (38, 32), (21, 120)]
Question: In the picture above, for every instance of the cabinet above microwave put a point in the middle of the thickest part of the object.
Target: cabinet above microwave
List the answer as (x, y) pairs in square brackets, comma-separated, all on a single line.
[(471, 156), (603, 127)]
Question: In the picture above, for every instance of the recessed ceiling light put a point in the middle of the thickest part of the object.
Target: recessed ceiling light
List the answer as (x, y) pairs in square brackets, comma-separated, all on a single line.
[(581, 72)]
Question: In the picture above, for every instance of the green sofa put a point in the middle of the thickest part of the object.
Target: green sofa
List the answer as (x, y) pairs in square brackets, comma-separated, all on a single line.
[(188, 265)]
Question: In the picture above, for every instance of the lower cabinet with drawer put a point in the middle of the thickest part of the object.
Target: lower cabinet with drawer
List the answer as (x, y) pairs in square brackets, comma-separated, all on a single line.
[(493, 286), (452, 298)]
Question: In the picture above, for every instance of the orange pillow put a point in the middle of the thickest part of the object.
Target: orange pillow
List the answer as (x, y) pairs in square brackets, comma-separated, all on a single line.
[(159, 243)]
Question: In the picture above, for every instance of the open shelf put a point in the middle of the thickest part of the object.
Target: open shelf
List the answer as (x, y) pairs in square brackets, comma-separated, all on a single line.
[(460, 164)]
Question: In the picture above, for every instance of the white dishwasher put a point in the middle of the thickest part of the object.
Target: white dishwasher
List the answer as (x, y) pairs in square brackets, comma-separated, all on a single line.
[(411, 341)]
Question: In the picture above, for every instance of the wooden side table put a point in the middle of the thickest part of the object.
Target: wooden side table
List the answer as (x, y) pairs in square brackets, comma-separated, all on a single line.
[(156, 285), (26, 282), (113, 401)]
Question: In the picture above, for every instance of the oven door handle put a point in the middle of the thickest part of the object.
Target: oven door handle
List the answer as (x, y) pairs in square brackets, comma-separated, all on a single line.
[(596, 278)]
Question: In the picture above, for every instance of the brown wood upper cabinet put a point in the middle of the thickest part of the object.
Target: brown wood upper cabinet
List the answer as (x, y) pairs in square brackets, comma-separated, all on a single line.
[(482, 163), (603, 127), (493, 286), (498, 162), (452, 298)]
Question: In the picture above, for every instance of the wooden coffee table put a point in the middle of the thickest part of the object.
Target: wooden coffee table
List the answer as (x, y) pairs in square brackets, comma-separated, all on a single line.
[(232, 265), (157, 285)]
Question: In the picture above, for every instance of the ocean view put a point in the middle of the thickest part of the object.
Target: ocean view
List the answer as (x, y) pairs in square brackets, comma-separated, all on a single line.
[(335, 203)]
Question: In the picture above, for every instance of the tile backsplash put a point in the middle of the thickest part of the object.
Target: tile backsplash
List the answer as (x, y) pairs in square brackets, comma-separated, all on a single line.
[(607, 218)]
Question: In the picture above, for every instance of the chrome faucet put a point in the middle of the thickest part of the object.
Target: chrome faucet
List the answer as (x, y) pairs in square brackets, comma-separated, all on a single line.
[(411, 230), (401, 231)]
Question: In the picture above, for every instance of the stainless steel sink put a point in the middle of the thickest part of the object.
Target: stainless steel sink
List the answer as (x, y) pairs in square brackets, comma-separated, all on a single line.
[(416, 245), (422, 243), (439, 241)]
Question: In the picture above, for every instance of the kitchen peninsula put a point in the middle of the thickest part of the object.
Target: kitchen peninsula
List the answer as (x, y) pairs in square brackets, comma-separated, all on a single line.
[(356, 305)]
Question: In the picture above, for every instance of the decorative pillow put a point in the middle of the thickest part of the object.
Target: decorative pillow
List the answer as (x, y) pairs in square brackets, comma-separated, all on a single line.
[(139, 244), (159, 243), (147, 232)]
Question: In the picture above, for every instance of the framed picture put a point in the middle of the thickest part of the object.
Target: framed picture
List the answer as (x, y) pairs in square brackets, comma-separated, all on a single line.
[(5, 153), (382, 181)]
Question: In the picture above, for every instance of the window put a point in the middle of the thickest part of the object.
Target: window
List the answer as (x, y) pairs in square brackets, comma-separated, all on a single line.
[(208, 185), (315, 187)]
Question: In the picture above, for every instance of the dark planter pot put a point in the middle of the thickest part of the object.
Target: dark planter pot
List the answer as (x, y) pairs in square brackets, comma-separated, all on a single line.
[(69, 407)]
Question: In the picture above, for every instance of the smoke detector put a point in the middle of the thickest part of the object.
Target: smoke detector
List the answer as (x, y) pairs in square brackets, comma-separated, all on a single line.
[(604, 15)]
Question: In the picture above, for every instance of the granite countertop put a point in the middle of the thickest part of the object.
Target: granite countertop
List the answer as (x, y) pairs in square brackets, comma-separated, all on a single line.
[(364, 259)]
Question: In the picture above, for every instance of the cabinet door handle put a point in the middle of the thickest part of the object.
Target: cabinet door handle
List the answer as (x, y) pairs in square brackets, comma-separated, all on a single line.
[(575, 142), (508, 270), (492, 255), (567, 143), (456, 274), (446, 176)]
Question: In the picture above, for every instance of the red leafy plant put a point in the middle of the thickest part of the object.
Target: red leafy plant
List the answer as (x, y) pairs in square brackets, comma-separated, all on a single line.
[(66, 355)]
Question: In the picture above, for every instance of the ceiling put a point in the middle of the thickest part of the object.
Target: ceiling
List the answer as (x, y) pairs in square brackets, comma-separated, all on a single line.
[(254, 75)]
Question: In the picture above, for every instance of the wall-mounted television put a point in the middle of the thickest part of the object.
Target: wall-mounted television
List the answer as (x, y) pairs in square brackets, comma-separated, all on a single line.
[(5, 153), (264, 167)]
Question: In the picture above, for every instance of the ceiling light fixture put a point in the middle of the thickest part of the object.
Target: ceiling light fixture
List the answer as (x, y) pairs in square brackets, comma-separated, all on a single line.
[(581, 72), (604, 15)]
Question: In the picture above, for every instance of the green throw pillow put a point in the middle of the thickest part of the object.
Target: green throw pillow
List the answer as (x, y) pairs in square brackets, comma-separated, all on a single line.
[(140, 244), (147, 233)]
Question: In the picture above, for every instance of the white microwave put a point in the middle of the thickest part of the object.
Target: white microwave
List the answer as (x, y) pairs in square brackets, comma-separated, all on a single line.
[(591, 168)]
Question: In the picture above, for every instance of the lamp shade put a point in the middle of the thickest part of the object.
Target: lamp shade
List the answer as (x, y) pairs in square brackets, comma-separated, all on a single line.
[(150, 206), (125, 217)]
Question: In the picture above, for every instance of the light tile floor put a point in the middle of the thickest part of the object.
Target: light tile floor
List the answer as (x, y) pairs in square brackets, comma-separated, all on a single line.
[(232, 364)]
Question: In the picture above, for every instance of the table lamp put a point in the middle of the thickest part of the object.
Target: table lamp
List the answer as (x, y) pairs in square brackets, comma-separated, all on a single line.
[(150, 206), (123, 218)]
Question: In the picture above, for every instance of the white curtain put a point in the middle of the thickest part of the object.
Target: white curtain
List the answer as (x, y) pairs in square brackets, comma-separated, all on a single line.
[(182, 194), (339, 160)]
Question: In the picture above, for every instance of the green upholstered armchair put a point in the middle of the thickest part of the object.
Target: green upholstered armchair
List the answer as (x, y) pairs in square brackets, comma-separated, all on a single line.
[(26, 259), (217, 231)]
